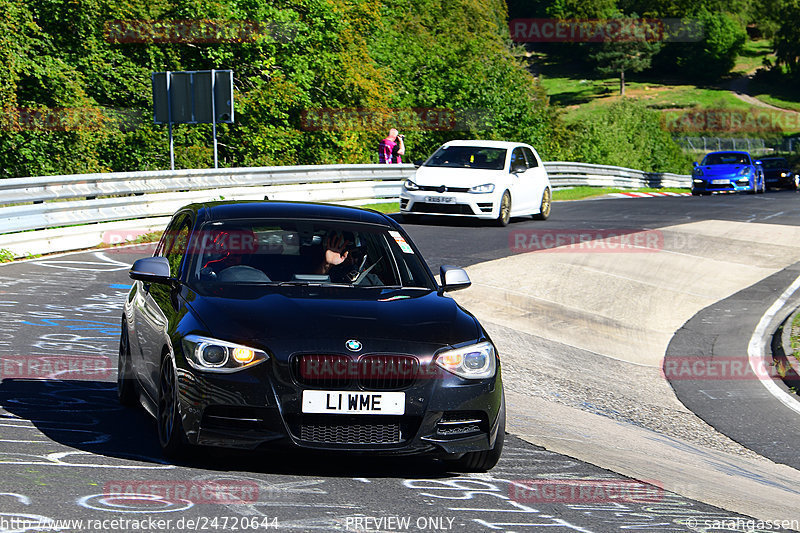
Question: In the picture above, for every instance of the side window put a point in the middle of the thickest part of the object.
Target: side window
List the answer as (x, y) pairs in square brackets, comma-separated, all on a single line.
[(532, 162), (517, 157), (175, 241)]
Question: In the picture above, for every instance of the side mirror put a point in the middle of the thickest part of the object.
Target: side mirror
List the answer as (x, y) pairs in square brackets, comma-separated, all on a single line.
[(418, 163), (518, 168), (151, 270), (758, 162), (453, 278), (695, 164)]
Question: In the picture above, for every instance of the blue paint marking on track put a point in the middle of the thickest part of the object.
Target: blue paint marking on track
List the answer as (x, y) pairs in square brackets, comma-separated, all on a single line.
[(107, 328), (121, 287)]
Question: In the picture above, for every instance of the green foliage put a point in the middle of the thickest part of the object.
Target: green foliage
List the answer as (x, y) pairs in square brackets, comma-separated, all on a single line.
[(710, 58), (314, 55), (630, 135), (632, 51), (786, 41)]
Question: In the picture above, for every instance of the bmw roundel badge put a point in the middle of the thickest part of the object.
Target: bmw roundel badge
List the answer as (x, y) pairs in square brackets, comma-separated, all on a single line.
[(353, 345)]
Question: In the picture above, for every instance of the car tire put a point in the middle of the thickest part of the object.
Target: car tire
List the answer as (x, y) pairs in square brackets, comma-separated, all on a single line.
[(126, 384), (485, 460), (696, 193), (171, 436), (546, 206), (504, 213), (763, 188)]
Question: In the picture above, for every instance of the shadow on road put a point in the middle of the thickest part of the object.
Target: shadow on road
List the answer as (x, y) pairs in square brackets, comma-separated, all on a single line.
[(86, 416)]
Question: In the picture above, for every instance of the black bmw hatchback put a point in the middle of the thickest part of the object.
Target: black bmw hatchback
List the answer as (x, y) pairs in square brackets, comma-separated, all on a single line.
[(259, 324)]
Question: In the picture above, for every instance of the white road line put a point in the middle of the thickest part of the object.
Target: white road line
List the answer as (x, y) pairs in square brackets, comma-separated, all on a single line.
[(754, 351)]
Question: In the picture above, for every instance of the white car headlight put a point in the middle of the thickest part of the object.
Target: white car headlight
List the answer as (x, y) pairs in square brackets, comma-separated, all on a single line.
[(410, 185), (476, 361), (213, 355), (483, 189)]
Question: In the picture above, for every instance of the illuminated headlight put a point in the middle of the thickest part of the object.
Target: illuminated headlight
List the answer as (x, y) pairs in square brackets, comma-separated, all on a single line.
[(213, 355), (784, 174), (698, 181), (476, 361), (410, 185), (743, 180), (482, 189)]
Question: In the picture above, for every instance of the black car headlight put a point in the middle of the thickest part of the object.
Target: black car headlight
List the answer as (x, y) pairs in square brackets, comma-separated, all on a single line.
[(476, 361), (214, 355)]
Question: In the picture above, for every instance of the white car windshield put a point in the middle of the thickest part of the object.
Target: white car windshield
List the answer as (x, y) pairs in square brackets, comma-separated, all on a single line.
[(478, 157)]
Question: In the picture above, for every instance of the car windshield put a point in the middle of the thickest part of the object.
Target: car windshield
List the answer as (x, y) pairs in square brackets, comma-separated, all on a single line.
[(302, 252), (774, 163), (726, 158), (478, 157)]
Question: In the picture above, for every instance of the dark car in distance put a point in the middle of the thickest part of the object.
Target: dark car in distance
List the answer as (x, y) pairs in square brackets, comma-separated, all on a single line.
[(778, 174), (270, 324)]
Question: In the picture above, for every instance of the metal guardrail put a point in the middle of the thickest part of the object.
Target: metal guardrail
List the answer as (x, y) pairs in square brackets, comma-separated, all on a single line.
[(565, 174), (57, 213)]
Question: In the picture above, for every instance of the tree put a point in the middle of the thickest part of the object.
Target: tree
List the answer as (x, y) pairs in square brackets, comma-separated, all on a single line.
[(786, 40), (630, 46)]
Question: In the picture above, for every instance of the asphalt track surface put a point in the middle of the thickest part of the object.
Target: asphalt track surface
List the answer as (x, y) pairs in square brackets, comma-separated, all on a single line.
[(67, 447)]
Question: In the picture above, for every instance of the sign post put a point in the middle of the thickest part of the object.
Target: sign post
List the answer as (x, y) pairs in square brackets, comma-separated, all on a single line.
[(193, 97)]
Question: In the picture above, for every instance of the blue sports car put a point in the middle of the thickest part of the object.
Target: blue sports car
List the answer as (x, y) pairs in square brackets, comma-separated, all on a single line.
[(728, 172)]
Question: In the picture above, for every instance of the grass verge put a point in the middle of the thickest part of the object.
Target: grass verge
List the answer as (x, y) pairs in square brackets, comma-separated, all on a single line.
[(580, 193)]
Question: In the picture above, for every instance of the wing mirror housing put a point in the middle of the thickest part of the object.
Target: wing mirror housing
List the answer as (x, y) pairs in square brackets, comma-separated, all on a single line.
[(518, 168), (453, 278), (151, 270)]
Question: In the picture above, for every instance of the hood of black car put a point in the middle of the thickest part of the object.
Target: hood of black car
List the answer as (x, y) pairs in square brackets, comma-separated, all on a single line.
[(325, 318)]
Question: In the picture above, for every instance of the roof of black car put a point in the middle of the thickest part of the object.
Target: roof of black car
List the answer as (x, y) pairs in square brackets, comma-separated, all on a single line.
[(225, 210)]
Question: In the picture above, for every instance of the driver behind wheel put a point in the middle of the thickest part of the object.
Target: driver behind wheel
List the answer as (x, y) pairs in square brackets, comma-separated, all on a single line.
[(336, 249)]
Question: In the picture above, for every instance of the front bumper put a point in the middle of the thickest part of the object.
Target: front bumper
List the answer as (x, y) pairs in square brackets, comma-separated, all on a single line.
[(784, 182), (485, 206), (722, 184), (261, 407)]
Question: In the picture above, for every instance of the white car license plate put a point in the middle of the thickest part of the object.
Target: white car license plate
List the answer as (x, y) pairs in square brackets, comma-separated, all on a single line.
[(440, 199), (354, 402), (720, 182)]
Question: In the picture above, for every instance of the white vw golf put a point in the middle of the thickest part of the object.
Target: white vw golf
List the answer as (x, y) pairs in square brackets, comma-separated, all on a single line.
[(481, 179)]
